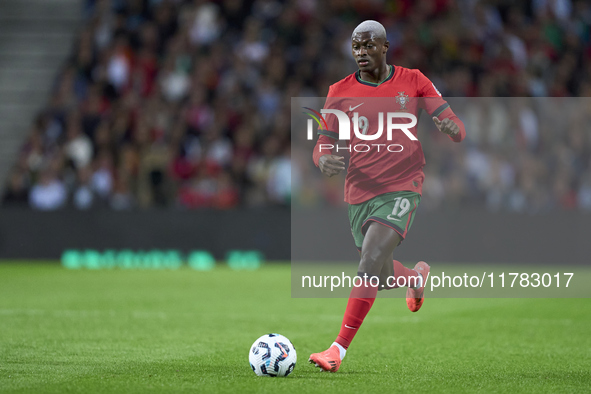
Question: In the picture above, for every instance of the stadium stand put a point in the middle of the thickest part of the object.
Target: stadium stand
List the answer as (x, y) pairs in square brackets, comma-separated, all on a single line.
[(186, 104)]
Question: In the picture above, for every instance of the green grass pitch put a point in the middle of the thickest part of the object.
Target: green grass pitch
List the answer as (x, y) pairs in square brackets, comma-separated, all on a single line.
[(186, 331)]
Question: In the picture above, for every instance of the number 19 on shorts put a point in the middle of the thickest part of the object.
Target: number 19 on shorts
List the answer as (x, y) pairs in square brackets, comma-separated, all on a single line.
[(401, 207)]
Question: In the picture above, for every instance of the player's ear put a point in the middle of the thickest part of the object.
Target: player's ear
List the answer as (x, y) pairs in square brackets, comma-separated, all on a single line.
[(385, 47)]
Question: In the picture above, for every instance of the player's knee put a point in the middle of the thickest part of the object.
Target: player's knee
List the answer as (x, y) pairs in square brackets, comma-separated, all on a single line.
[(371, 262)]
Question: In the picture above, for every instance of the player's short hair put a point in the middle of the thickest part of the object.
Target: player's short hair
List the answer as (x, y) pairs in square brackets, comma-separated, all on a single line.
[(374, 27)]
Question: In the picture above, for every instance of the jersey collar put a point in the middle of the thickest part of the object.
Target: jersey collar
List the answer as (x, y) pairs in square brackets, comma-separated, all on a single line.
[(361, 81)]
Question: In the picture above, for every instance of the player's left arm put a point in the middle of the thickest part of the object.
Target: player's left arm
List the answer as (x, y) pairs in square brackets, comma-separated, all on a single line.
[(444, 118), (448, 123)]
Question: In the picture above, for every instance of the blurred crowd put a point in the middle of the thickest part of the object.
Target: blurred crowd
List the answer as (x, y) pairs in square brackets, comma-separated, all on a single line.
[(186, 103), (527, 155)]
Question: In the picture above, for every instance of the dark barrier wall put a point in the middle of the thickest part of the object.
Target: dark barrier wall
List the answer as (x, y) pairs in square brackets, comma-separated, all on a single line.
[(466, 236), (26, 234)]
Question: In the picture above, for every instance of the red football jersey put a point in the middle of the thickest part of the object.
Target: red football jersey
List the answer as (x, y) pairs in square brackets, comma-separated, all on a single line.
[(394, 160)]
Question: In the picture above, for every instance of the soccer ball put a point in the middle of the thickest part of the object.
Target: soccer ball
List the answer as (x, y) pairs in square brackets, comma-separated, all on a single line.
[(272, 355)]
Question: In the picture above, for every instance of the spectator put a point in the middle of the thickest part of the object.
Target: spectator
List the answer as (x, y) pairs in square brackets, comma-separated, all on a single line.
[(84, 196), (187, 102), (49, 193)]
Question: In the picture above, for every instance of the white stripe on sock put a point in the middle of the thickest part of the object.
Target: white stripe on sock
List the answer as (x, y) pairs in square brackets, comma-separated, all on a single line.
[(342, 350)]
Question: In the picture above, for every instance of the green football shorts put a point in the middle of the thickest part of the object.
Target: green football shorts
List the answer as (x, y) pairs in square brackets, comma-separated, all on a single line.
[(395, 210)]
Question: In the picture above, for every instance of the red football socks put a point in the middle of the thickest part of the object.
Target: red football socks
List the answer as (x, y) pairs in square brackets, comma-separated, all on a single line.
[(362, 299), (405, 277), (360, 302)]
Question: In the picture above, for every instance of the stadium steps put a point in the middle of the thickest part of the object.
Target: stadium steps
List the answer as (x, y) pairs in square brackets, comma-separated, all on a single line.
[(36, 37)]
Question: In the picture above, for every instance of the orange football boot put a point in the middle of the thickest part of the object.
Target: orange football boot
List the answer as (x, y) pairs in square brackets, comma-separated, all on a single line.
[(329, 360), (415, 298)]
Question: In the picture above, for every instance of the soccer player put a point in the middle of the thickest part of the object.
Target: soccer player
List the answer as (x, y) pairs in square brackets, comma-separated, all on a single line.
[(382, 186)]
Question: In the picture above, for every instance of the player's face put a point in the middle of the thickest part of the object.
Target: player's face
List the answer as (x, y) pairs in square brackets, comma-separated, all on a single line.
[(368, 51)]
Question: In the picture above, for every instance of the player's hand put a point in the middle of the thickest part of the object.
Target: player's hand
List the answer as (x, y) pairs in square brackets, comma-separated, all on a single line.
[(331, 164), (447, 126)]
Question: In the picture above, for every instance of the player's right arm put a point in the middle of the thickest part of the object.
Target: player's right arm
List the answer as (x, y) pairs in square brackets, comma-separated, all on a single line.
[(328, 163)]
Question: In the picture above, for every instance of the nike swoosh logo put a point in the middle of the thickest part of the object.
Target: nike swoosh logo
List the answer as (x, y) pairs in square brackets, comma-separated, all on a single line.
[(389, 217), (352, 108), (348, 326)]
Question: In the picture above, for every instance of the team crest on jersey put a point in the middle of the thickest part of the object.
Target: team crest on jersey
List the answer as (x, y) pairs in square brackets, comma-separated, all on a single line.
[(402, 99)]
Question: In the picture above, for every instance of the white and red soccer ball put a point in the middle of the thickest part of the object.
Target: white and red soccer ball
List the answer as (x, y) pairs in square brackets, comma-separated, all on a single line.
[(272, 355)]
